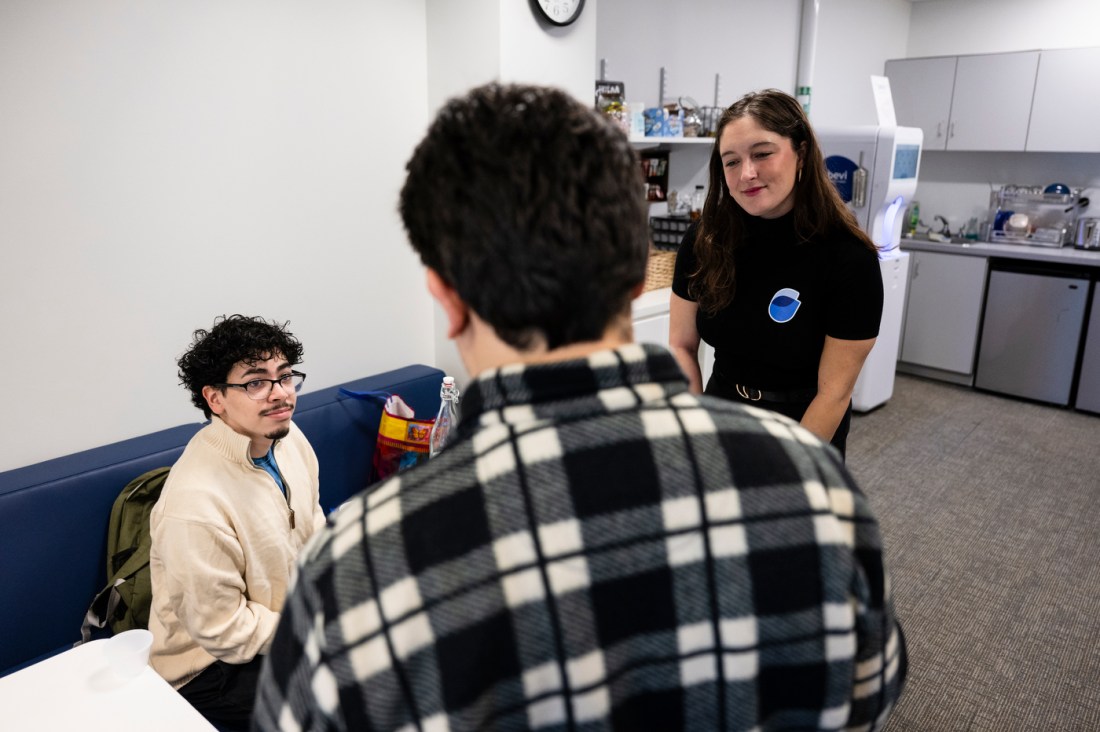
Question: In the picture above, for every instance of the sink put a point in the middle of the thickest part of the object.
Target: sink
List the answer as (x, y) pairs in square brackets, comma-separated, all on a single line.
[(938, 238)]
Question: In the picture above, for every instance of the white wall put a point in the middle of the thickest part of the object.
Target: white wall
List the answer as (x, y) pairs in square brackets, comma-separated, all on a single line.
[(458, 55), (751, 45), (950, 27), (854, 39), (957, 184), (165, 163), (478, 41), (532, 51)]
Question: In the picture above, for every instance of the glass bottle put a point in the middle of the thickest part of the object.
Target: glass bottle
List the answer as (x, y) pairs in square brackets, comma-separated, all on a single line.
[(698, 198), (447, 417)]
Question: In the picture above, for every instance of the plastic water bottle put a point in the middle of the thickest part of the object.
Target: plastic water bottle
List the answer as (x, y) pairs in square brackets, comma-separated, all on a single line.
[(447, 417), (913, 221)]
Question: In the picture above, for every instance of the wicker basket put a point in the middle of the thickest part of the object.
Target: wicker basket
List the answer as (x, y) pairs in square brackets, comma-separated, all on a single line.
[(658, 272)]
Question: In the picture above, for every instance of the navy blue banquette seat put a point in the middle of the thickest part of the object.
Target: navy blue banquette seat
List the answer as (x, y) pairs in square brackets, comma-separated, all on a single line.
[(53, 515)]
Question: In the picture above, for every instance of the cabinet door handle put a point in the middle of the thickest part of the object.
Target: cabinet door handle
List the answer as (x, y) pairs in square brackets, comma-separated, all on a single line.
[(951, 129), (939, 129)]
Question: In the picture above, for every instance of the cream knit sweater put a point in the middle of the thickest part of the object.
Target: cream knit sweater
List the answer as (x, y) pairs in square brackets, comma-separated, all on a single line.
[(223, 549)]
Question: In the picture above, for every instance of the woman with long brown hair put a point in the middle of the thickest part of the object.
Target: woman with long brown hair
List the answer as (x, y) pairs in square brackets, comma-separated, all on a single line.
[(777, 276)]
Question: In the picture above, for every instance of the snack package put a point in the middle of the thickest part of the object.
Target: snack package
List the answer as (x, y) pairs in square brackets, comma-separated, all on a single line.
[(611, 101), (402, 439)]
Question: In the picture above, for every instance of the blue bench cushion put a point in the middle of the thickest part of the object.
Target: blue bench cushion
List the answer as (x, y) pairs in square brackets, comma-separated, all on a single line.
[(53, 515)]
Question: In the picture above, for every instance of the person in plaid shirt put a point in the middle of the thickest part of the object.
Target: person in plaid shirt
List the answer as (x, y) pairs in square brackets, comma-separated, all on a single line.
[(596, 548)]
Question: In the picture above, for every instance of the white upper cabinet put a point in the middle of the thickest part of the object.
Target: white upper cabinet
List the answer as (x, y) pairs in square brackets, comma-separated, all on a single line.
[(922, 89), (1065, 113), (992, 101), (980, 102)]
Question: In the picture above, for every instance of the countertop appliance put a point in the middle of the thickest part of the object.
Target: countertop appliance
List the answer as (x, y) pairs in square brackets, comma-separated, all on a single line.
[(1031, 331), (1088, 234), (878, 194)]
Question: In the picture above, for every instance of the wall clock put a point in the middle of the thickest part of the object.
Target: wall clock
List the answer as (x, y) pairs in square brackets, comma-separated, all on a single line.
[(559, 12)]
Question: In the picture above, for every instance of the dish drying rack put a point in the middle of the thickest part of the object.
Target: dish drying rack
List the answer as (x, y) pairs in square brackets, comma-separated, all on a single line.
[(1050, 216)]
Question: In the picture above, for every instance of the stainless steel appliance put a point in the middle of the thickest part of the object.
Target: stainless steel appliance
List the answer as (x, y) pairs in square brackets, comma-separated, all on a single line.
[(1088, 234), (1088, 383), (1030, 332)]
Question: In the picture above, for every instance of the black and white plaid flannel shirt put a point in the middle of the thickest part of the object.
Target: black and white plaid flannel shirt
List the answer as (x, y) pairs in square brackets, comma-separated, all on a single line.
[(598, 549)]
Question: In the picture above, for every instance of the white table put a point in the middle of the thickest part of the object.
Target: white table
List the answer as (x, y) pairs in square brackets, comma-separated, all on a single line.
[(77, 690)]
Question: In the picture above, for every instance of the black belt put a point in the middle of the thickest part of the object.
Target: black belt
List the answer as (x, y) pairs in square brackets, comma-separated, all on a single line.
[(759, 395)]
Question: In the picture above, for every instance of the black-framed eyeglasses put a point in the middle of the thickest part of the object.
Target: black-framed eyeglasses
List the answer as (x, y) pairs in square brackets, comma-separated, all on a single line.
[(260, 388)]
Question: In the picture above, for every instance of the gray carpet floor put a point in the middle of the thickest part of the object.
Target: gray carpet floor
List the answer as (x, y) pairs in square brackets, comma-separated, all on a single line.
[(990, 513)]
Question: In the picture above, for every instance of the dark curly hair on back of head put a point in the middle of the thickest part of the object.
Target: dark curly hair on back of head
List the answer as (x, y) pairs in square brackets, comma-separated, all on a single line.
[(233, 339), (532, 207)]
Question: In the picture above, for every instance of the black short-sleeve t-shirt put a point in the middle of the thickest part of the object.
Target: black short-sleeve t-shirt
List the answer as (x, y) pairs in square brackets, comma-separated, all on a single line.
[(789, 295)]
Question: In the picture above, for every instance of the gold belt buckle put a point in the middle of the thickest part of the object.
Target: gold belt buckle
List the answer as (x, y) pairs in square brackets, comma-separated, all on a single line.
[(747, 393)]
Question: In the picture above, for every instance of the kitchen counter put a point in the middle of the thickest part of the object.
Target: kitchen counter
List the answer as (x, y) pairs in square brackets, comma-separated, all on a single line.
[(1057, 255), (1004, 317), (650, 312), (651, 302)]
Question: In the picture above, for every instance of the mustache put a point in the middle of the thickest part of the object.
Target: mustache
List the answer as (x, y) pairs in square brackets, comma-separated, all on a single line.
[(276, 408)]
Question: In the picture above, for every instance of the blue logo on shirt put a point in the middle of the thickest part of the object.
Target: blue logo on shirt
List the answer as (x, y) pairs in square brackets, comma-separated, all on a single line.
[(784, 305)]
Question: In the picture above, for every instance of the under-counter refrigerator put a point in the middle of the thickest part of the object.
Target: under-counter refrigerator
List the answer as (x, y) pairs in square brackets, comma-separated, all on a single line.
[(1088, 383), (1030, 332)]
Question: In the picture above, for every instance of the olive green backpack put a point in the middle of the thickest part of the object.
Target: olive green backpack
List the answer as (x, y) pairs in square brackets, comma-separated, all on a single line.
[(124, 603)]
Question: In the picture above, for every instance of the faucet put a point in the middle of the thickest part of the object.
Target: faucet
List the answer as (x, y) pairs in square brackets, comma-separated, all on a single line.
[(943, 229)]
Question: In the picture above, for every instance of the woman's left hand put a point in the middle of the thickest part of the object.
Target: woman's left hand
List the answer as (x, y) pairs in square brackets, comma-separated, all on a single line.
[(837, 372)]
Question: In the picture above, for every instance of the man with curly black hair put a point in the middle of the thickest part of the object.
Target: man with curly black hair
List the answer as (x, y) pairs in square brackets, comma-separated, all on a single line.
[(235, 511)]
